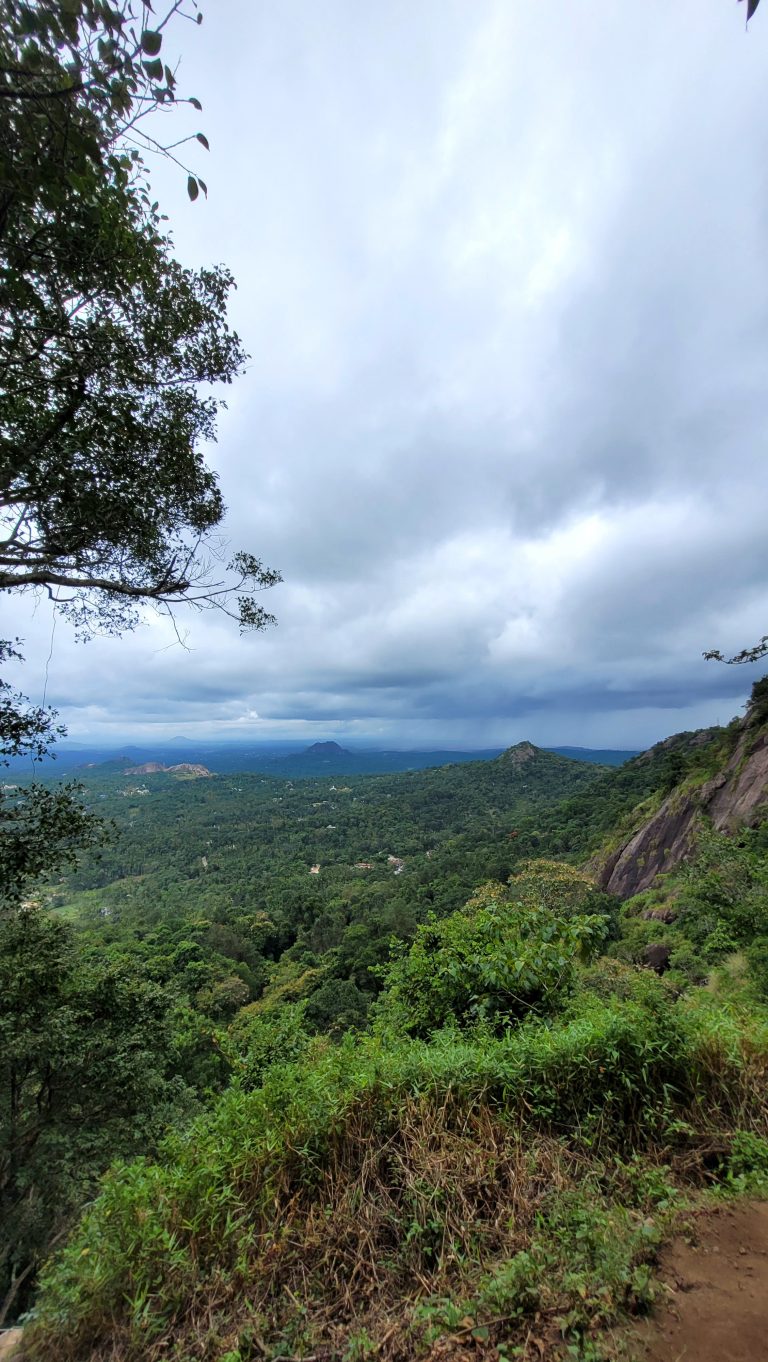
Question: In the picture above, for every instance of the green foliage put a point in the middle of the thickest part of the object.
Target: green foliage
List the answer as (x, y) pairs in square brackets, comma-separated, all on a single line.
[(713, 906), (42, 828), (87, 1056), (147, 890), (489, 1011), (747, 1167), (724, 892), (757, 960), (587, 1259), (610, 978), (236, 1204), (106, 497), (494, 962), (257, 1041), (757, 705), (337, 1006)]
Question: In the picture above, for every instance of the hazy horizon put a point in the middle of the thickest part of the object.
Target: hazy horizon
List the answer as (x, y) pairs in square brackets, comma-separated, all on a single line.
[(360, 744)]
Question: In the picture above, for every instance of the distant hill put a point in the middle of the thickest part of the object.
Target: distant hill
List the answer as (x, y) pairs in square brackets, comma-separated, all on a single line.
[(520, 753), (180, 768), (333, 760), (283, 759), (598, 755)]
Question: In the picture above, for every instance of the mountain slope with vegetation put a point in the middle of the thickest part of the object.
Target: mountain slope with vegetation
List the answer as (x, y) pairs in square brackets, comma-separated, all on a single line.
[(440, 1099), (723, 784), (502, 1176)]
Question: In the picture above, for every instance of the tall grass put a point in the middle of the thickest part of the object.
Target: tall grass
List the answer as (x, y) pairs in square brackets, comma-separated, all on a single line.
[(383, 1166)]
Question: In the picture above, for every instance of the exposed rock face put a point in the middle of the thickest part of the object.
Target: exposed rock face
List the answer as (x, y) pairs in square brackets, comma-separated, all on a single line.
[(656, 956), (743, 792), (665, 915), (736, 796), (521, 752), (182, 768)]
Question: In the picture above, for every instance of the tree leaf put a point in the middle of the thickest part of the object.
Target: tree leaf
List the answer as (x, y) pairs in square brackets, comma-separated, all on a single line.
[(201, 137), (751, 7), (192, 188), (151, 42), (195, 103), (203, 186), (154, 69)]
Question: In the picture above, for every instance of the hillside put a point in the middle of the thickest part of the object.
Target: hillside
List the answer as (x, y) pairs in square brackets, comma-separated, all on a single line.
[(442, 1148), (599, 756), (275, 759), (723, 784), (335, 866), (284, 759), (156, 768)]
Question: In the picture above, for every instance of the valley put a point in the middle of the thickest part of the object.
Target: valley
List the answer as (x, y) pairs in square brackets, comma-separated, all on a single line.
[(414, 995)]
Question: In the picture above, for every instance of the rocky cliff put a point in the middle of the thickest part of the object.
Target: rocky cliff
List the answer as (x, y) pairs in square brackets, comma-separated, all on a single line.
[(155, 768), (734, 795), (520, 753)]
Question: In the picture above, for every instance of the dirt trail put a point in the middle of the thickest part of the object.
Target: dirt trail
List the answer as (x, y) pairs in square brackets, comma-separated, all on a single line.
[(715, 1304)]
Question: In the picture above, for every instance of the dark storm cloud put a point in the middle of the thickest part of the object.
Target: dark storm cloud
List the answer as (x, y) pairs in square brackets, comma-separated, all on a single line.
[(504, 431)]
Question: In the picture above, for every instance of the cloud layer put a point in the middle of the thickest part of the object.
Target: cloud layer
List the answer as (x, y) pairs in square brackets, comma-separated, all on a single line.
[(502, 276)]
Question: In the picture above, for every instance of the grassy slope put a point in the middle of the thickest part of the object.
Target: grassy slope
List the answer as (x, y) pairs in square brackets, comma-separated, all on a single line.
[(387, 1197), (384, 1193)]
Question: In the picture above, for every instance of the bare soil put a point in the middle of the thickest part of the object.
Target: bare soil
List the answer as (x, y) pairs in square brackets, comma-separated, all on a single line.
[(714, 1306)]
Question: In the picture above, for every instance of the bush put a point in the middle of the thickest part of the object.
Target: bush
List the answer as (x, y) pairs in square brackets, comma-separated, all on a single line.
[(494, 962), (247, 1196), (757, 961), (257, 1041)]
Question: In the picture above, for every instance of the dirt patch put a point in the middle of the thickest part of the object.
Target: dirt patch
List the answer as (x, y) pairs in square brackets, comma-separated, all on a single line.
[(10, 1342), (715, 1302)]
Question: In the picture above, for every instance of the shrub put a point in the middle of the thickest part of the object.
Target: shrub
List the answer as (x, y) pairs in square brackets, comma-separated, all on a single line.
[(494, 962), (361, 1153)]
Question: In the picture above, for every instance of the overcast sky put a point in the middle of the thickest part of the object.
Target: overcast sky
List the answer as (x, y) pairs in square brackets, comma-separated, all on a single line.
[(503, 274)]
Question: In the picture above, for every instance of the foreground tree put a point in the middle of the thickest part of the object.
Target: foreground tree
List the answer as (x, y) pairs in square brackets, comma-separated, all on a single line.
[(754, 654), (42, 827), (87, 1054), (105, 497), (106, 503)]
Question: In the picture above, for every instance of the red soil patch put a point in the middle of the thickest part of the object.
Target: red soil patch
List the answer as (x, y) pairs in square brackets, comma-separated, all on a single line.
[(715, 1302)]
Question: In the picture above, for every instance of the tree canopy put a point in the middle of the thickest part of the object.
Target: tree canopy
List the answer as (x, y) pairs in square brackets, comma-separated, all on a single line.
[(111, 351), (106, 499)]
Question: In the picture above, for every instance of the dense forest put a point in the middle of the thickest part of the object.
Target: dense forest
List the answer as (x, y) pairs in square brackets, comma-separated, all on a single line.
[(294, 888)]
